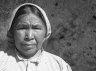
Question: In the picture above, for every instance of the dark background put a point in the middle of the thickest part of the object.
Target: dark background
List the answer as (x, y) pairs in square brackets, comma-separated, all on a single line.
[(73, 29)]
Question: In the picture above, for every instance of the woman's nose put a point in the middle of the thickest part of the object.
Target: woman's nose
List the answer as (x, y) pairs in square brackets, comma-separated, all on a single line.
[(29, 35)]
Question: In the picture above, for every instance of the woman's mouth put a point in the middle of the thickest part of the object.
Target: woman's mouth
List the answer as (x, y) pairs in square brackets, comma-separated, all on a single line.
[(28, 45)]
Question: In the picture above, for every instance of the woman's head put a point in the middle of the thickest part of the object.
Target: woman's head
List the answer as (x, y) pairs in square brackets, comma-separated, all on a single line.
[(29, 29), (26, 9)]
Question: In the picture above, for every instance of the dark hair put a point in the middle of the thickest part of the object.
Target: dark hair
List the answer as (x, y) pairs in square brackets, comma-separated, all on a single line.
[(25, 9)]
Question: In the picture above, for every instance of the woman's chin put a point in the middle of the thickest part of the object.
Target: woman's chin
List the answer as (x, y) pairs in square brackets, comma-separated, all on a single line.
[(30, 51)]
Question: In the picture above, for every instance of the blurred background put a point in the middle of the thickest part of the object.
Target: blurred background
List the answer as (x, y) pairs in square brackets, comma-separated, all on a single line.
[(73, 29)]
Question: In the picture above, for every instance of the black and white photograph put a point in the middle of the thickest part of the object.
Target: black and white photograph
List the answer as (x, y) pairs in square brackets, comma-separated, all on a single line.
[(47, 35)]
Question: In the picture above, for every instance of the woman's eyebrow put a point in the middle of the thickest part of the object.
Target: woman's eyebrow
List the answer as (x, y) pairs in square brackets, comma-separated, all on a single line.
[(22, 25), (35, 24)]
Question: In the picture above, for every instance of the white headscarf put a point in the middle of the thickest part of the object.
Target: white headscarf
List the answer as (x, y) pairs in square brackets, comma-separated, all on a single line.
[(43, 13)]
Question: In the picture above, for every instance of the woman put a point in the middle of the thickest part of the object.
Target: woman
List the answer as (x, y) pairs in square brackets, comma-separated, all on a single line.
[(29, 28)]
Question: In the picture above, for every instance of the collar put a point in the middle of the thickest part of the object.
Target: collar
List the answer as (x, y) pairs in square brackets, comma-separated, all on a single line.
[(34, 59)]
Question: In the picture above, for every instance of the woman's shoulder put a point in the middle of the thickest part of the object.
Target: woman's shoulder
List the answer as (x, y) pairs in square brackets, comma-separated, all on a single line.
[(5, 54), (54, 57), (5, 57), (2, 54), (64, 66)]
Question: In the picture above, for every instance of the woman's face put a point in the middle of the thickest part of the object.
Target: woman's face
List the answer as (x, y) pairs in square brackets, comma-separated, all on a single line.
[(29, 34)]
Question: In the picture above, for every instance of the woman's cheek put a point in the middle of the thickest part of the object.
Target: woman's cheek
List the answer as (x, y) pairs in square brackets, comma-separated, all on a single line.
[(20, 35), (40, 38)]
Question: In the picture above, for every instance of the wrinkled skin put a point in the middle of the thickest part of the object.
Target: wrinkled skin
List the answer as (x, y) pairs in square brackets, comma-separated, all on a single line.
[(29, 34)]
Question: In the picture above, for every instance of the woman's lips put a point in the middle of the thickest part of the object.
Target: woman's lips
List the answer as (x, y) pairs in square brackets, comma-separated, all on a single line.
[(28, 44)]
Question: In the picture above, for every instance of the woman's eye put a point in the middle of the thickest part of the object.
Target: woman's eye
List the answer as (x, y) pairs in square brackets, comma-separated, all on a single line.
[(21, 28), (35, 27)]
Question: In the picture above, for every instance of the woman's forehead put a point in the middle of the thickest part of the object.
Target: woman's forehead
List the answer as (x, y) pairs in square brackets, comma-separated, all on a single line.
[(30, 19)]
